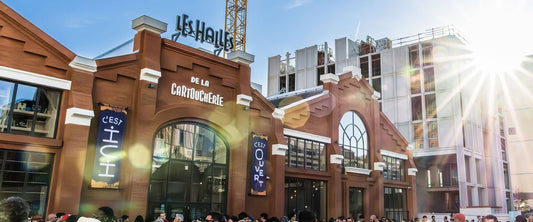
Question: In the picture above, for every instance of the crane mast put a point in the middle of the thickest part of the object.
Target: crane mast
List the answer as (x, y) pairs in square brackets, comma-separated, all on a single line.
[(236, 23)]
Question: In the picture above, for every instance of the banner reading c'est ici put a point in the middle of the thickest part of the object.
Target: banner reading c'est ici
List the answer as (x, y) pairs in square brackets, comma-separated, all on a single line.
[(106, 170)]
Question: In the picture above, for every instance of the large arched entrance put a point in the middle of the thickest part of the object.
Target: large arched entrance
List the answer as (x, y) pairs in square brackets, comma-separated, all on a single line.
[(189, 171)]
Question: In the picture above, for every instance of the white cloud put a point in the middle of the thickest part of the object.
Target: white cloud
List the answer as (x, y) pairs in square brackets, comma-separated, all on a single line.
[(296, 3)]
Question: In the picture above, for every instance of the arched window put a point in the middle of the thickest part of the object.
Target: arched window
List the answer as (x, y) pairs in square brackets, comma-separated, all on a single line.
[(353, 140), (189, 171)]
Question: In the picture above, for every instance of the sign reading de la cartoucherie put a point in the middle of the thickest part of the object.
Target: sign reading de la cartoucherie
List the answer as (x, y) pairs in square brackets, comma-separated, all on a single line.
[(106, 170), (221, 40), (259, 168), (197, 94)]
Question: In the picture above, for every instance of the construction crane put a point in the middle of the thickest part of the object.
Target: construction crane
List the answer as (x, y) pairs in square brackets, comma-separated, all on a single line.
[(236, 23)]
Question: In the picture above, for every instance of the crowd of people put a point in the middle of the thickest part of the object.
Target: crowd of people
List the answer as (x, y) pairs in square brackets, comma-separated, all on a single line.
[(16, 209)]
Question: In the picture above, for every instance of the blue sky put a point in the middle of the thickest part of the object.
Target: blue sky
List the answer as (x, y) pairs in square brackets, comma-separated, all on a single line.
[(89, 28)]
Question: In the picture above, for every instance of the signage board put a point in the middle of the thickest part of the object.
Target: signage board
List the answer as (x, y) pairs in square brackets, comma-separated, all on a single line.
[(106, 170), (259, 167)]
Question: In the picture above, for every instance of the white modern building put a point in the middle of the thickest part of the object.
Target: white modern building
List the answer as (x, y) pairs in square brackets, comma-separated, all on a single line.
[(431, 91), (519, 116)]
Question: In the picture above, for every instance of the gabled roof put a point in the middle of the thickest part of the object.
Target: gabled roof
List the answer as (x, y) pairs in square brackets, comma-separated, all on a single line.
[(36, 41)]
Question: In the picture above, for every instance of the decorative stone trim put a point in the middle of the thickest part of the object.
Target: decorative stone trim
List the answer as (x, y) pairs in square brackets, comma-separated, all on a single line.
[(376, 95), (279, 149), (329, 78), (412, 171), (393, 154), (379, 166), (335, 159), (356, 72), (148, 23), (240, 56), (357, 170), (278, 113), (83, 63), (34, 78), (150, 75), (308, 136), (79, 116), (244, 99)]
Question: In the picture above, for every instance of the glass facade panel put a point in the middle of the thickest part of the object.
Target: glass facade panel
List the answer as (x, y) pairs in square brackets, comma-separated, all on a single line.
[(376, 65), (416, 108), (189, 171), (353, 140), (364, 66), (414, 61), (429, 80), (305, 154), (26, 174), (28, 110), (395, 203), (433, 134), (415, 82), (395, 169), (305, 194), (356, 202), (431, 106)]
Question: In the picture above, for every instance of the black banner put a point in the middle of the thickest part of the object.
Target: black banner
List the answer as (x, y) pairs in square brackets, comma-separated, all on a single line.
[(106, 171), (259, 168)]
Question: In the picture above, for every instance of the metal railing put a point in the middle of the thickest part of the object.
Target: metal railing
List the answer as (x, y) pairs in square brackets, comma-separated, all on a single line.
[(449, 30)]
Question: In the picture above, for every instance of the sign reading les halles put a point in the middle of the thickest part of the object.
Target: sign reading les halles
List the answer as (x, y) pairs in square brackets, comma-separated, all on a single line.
[(222, 40), (106, 171)]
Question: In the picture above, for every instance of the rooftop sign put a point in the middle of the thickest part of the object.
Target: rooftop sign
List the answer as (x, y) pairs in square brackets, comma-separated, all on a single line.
[(221, 40)]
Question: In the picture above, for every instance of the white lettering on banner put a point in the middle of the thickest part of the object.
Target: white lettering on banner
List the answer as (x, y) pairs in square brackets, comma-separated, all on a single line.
[(198, 95), (259, 155), (111, 155)]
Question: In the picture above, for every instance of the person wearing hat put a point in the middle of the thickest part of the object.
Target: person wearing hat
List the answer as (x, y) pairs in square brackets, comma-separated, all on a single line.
[(459, 217)]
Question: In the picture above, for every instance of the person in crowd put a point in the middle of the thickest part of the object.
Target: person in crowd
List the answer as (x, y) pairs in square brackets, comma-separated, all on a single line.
[(490, 218), (306, 216), (214, 217), (458, 217), (273, 219), (292, 217), (471, 220), (233, 219), (51, 217), (349, 219), (87, 219), (424, 218), (284, 219), (263, 217), (139, 218), (125, 218), (479, 218), (72, 218), (445, 219), (382, 219), (530, 218), (106, 214), (387, 220), (161, 218), (373, 218), (37, 218), (361, 218), (14, 209), (244, 216), (178, 218), (417, 219), (520, 218), (59, 216), (433, 218)]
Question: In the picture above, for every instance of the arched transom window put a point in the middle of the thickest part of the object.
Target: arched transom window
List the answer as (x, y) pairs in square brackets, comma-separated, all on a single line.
[(353, 140)]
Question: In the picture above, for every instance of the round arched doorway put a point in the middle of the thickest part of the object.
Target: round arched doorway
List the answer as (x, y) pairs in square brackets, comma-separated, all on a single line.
[(189, 172)]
